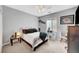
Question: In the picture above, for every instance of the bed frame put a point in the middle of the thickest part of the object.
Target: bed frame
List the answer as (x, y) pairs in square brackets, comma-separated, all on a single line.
[(26, 31), (36, 46)]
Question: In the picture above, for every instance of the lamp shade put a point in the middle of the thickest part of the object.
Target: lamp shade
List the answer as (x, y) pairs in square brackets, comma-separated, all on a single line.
[(18, 33)]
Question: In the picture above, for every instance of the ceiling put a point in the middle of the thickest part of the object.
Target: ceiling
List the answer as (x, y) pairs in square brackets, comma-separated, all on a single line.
[(41, 10)]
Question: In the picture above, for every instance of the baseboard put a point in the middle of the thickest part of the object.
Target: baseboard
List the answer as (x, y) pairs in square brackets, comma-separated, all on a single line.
[(0, 49), (6, 43)]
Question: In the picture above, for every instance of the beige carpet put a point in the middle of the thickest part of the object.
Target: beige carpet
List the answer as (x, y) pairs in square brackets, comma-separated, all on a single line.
[(49, 47)]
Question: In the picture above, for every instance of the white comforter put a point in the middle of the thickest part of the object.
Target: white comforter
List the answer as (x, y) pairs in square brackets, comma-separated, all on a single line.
[(31, 37)]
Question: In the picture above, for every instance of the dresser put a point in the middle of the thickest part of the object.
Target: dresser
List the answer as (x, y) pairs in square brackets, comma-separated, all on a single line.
[(73, 39)]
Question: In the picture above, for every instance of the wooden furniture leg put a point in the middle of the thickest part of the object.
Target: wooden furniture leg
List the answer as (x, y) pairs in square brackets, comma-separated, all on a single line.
[(11, 41)]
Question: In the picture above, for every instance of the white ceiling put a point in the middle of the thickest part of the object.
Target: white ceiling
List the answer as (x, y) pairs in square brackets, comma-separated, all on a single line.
[(45, 9)]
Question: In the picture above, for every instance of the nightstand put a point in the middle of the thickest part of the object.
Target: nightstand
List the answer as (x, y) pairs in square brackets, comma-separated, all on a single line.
[(15, 37)]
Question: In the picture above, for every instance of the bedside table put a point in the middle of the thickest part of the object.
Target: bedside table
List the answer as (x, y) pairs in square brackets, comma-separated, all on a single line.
[(12, 38)]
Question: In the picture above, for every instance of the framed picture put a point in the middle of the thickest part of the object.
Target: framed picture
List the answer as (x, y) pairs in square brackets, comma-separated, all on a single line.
[(69, 19)]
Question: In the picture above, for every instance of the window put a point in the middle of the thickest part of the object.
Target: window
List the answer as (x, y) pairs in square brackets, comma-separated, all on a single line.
[(52, 24), (49, 24)]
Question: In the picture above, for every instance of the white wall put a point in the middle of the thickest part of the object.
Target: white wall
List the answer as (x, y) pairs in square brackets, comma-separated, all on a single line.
[(42, 26), (56, 16), (0, 29), (13, 20)]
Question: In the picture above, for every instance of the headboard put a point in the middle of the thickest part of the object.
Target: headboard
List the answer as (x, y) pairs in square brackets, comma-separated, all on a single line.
[(26, 31)]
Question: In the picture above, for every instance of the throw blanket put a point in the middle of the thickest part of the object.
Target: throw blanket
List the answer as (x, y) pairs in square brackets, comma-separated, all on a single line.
[(42, 35)]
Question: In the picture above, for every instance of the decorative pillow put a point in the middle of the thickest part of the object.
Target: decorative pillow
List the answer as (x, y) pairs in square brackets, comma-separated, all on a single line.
[(26, 31)]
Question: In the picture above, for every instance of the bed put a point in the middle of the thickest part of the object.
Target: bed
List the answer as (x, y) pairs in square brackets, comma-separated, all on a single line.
[(34, 38)]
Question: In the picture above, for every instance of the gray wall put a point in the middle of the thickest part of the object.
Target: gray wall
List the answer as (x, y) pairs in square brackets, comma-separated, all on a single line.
[(56, 16), (0, 28), (42, 26), (13, 20)]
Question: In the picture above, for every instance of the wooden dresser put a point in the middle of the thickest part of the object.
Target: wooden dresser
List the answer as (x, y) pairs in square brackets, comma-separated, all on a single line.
[(73, 39)]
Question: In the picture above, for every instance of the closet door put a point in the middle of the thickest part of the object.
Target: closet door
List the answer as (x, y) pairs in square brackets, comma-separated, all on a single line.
[(73, 39)]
